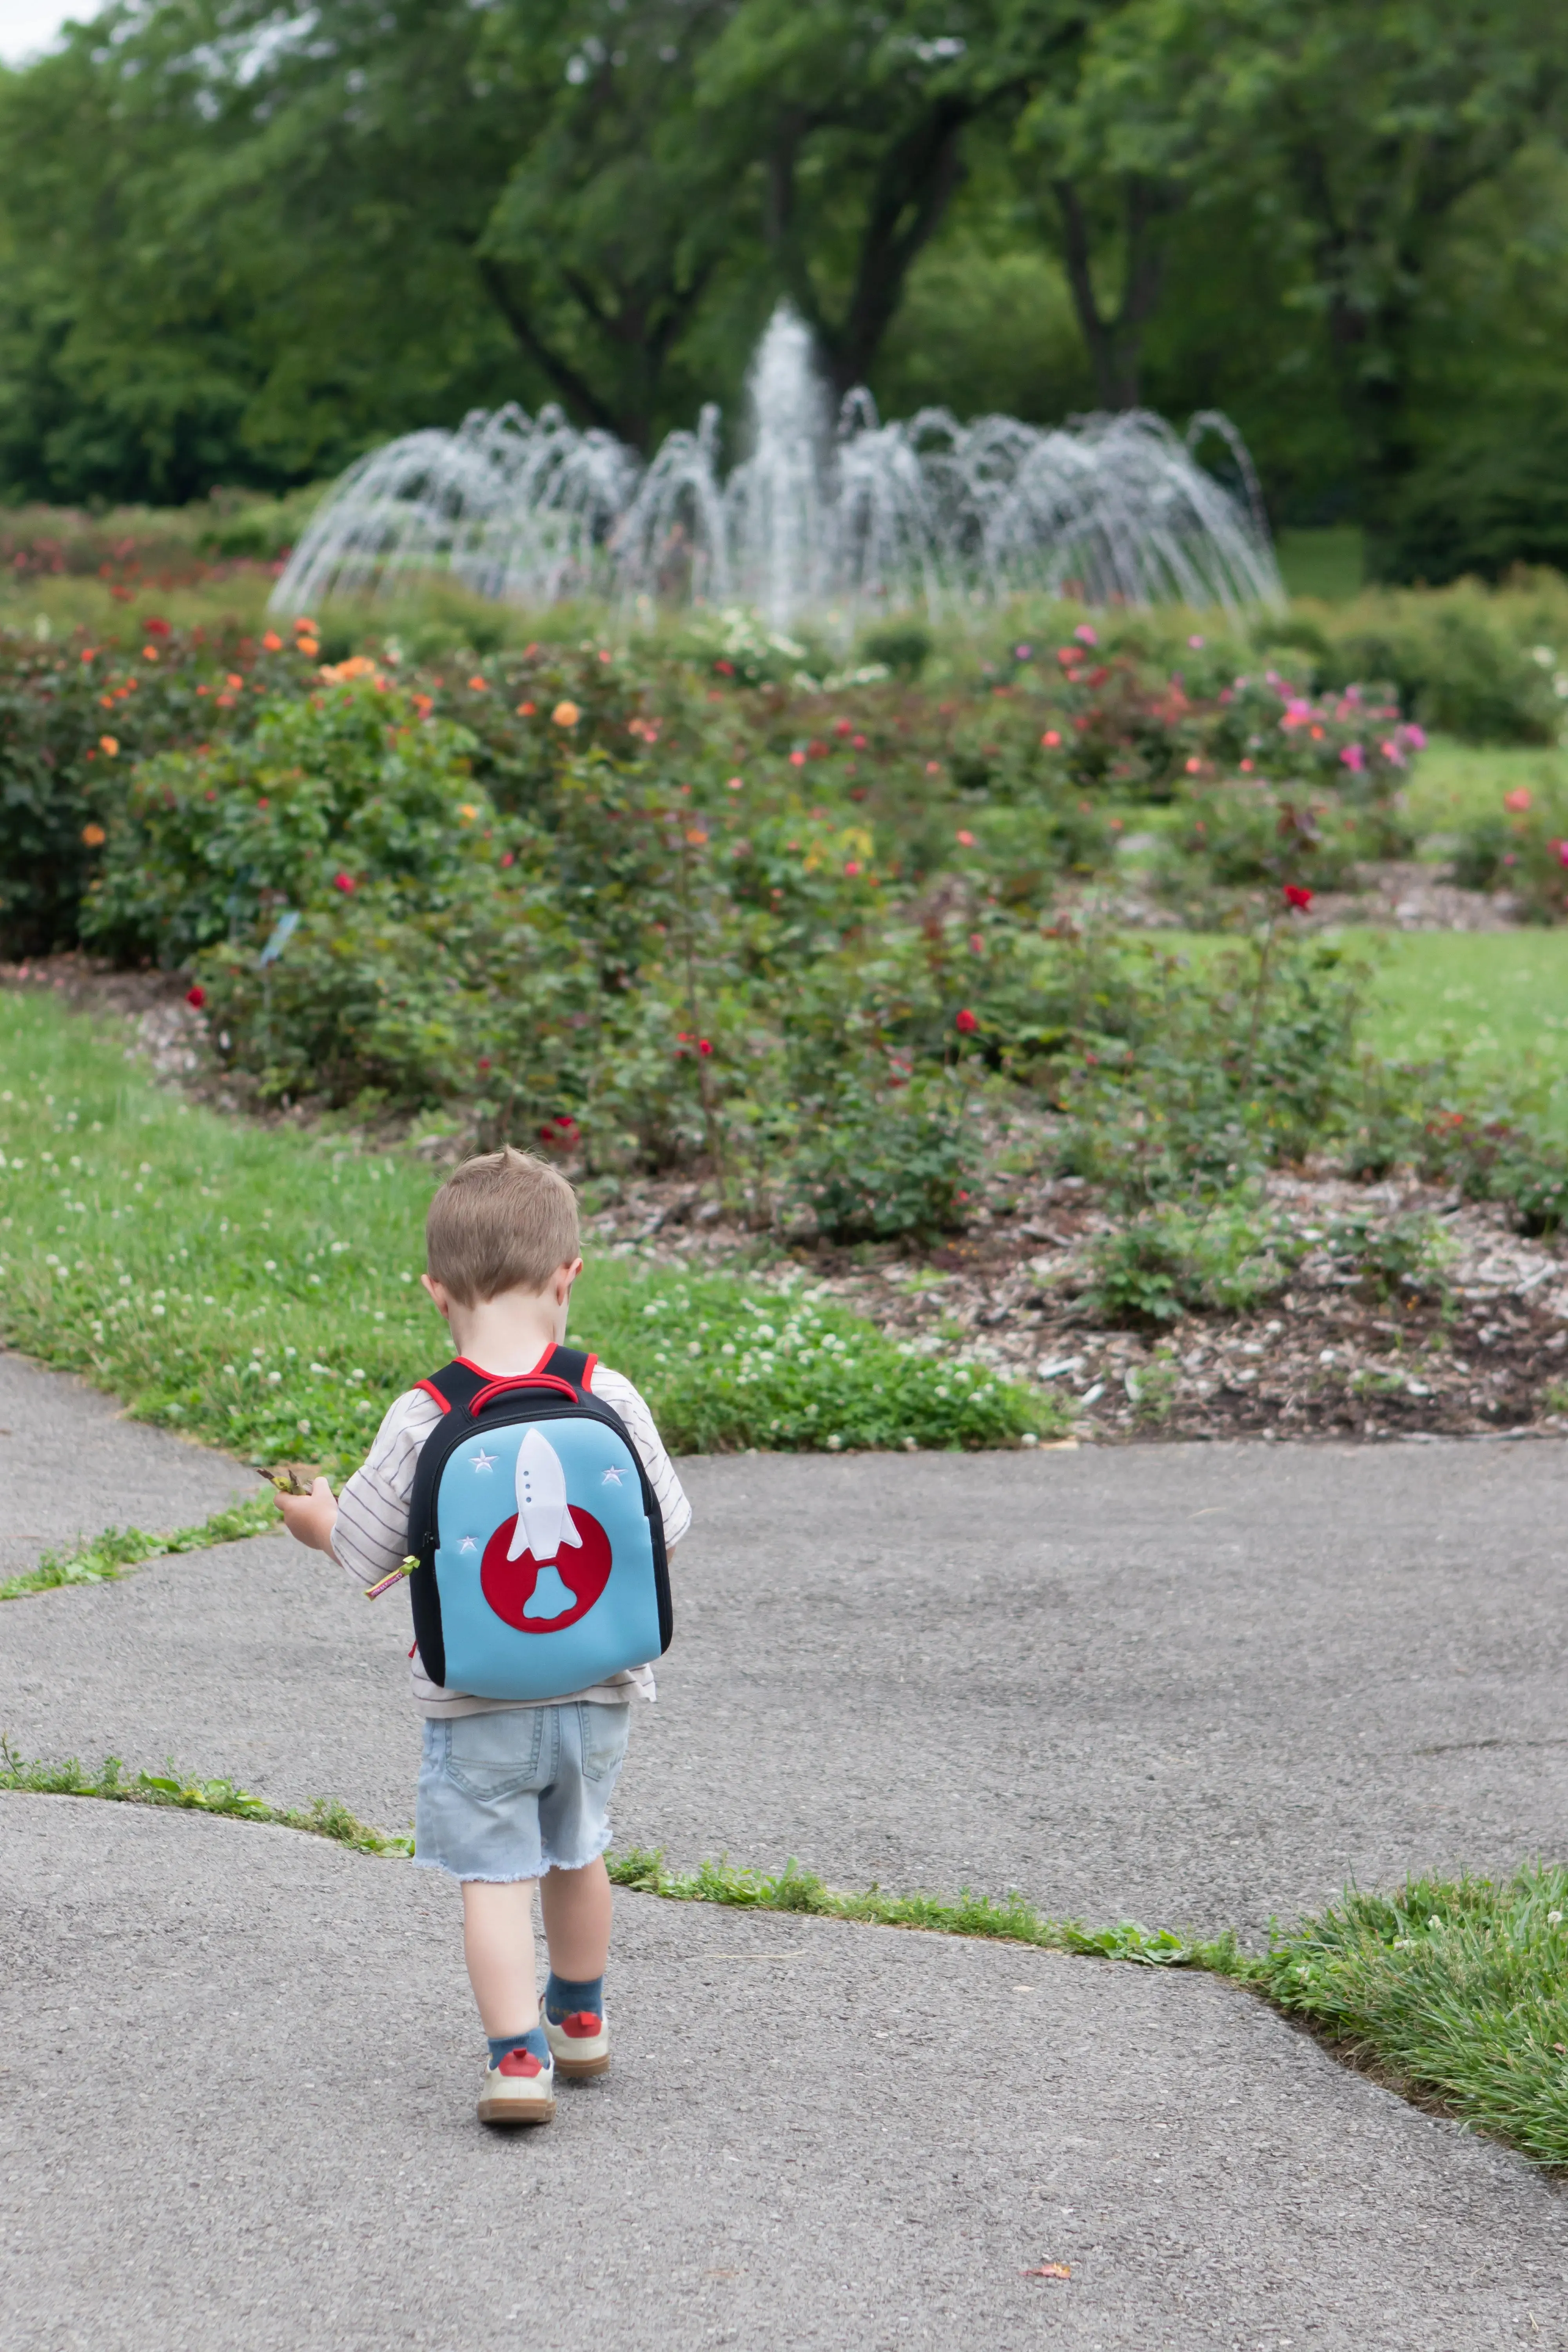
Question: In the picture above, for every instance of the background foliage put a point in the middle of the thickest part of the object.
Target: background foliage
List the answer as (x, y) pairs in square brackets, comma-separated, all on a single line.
[(238, 244)]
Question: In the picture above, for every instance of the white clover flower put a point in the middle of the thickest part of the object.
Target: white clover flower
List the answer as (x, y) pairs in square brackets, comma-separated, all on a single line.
[(274, 1379)]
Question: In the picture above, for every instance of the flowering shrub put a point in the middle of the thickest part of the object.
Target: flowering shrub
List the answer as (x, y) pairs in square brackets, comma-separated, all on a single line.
[(74, 720), (1353, 741), (1211, 1074), (1522, 848), (330, 793), (1245, 829), (886, 1163)]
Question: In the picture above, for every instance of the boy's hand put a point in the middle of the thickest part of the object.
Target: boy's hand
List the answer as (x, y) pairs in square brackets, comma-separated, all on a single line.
[(311, 1518)]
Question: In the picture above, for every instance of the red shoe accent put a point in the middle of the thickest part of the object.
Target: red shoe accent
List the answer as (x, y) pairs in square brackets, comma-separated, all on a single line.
[(520, 2061), (582, 2025)]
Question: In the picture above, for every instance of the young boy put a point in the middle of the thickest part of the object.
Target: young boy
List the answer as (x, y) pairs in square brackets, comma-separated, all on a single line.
[(508, 1794)]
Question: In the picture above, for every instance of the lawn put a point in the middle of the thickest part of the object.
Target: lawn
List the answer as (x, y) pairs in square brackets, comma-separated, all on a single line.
[(1456, 1989), (1497, 1001), (259, 1288)]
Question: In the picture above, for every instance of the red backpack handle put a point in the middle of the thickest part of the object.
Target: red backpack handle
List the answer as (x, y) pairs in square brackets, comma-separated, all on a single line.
[(519, 1381)]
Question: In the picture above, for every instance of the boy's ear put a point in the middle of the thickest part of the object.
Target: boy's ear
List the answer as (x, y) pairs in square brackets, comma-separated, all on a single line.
[(565, 1276), (439, 1295)]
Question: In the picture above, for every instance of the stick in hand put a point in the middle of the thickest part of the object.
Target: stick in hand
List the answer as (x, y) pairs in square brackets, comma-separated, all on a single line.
[(405, 1567)]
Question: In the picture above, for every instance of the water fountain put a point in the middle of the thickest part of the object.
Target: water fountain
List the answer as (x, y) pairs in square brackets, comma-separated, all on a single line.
[(845, 513)]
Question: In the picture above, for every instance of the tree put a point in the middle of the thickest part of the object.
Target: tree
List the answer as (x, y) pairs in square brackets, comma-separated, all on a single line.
[(1355, 129), (617, 214), (853, 119)]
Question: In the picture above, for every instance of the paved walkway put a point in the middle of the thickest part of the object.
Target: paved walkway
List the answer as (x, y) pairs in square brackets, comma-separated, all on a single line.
[(70, 1467), (1197, 1685), (242, 2069), (1189, 1684)]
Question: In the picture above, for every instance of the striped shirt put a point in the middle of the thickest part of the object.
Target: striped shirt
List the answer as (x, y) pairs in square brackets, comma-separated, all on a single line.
[(371, 1534)]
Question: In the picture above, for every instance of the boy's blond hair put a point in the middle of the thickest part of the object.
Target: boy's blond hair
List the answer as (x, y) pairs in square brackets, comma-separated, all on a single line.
[(505, 1221)]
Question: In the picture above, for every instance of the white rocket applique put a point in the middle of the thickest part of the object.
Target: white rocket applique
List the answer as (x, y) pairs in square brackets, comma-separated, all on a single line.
[(543, 1522)]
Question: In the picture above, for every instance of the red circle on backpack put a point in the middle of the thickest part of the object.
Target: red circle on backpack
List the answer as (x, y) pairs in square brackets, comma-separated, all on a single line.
[(509, 1585)]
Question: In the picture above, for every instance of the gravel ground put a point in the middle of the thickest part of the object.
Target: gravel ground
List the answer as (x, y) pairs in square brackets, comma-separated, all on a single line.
[(239, 2074)]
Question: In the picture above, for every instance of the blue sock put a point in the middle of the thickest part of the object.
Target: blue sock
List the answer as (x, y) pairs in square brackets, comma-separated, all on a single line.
[(565, 1996), (535, 2038)]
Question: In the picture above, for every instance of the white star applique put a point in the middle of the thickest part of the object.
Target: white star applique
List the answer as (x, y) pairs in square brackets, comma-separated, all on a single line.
[(467, 1544), (483, 1461), (613, 1477)]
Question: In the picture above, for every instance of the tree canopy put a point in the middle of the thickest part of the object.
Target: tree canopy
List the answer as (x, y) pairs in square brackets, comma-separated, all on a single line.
[(240, 241)]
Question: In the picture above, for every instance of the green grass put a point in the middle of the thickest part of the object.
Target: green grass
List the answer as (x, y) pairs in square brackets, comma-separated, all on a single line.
[(1452, 783), (1455, 1990), (108, 1556), (323, 1816), (1012, 1920), (259, 1288), (1495, 1004), (1497, 1001)]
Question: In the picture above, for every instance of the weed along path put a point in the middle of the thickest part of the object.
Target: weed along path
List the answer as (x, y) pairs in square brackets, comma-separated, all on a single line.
[(239, 2073), (1194, 1685)]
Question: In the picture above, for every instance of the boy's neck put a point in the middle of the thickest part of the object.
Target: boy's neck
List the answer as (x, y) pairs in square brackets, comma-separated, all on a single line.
[(509, 1334)]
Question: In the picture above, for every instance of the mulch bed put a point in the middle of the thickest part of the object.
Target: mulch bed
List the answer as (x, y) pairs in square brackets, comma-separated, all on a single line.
[(1478, 1357), (1485, 1355)]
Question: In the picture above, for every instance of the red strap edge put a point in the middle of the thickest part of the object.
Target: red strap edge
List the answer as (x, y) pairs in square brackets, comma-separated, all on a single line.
[(432, 1390), (589, 1368), (521, 1380)]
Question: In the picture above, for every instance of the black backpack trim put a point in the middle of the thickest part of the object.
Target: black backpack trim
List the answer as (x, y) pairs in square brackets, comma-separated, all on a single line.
[(467, 1395)]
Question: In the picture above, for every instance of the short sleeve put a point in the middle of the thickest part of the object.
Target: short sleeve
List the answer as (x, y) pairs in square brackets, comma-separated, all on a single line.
[(616, 1391), (370, 1536)]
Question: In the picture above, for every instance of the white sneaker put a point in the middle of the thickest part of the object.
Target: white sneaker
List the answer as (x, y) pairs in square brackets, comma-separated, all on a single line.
[(580, 2046), (521, 2090)]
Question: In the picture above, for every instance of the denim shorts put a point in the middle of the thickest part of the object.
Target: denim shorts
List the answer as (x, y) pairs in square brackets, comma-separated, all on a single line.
[(519, 1790)]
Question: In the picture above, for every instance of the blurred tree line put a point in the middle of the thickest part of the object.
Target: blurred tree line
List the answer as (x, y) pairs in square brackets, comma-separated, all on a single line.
[(241, 241)]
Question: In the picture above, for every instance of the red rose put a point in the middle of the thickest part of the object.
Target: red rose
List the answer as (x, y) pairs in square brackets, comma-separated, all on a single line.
[(345, 883), (1295, 896), (966, 1024), (705, 1046), (197, 996)]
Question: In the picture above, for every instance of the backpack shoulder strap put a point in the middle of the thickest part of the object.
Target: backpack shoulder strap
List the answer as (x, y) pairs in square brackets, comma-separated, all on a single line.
[(571, 1364), (457, 1383)]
